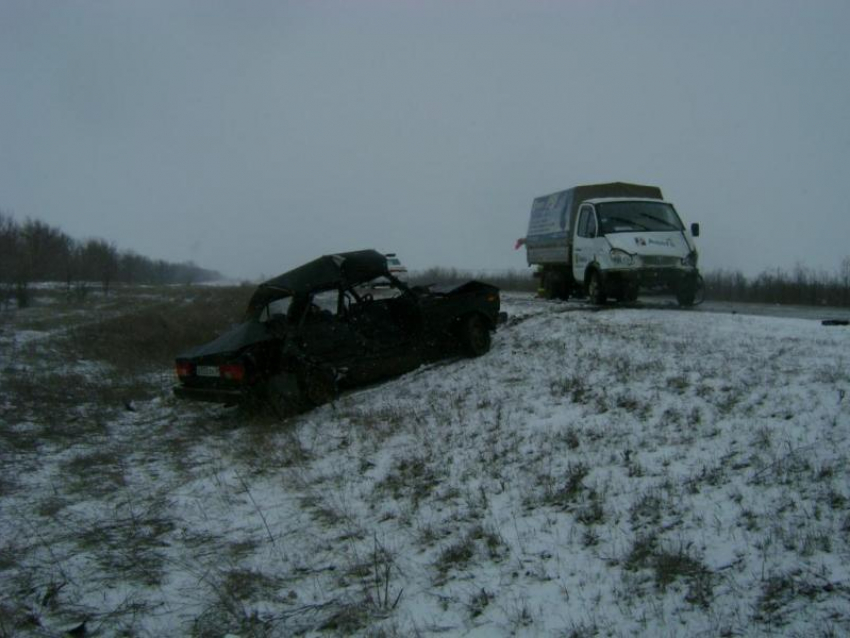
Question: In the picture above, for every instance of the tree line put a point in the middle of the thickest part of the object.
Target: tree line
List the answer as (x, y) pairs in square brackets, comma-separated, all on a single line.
[(800, 286), (33, 251)]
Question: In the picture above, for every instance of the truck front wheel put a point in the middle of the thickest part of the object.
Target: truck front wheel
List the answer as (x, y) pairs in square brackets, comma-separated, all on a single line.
[(689, 290), (595, 290), (685, 298)]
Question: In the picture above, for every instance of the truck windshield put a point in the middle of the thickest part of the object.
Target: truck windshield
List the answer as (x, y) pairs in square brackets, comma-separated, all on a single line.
[(633, 217)]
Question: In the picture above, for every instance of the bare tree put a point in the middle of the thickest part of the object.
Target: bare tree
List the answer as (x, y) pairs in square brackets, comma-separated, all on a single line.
[(844, 278), (9, 246), (100, 261)]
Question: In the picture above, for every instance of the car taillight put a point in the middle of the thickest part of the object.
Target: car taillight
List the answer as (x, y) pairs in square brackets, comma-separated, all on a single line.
[(232, 371), (183, 369)]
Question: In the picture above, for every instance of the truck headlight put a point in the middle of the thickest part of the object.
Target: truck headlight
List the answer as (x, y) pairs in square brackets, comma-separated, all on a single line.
[(621, 257), (691, 260)]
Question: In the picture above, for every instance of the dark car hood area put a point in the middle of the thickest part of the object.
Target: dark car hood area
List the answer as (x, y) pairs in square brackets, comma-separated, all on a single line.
[(244, 334)]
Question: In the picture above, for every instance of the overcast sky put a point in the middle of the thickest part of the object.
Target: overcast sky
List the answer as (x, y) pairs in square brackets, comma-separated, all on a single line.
[(253, 136)]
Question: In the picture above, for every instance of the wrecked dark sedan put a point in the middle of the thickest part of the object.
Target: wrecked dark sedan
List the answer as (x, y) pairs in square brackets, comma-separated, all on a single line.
[(326, 326)]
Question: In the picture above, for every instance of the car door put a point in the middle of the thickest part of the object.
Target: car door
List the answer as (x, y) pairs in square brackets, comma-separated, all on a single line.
[(326, 336), (389, 345)]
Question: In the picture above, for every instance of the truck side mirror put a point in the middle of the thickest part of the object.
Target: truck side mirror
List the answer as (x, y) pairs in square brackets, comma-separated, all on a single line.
[(695, 230)]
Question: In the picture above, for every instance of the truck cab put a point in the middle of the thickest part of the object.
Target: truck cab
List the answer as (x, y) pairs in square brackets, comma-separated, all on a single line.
[(622, 245)]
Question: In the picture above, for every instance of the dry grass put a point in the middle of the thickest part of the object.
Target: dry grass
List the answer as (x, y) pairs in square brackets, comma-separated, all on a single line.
[(151, 335)]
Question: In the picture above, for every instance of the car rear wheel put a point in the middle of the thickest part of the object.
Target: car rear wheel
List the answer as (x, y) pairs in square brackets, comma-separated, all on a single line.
[(282, 395), (475, 336), (317, 386)]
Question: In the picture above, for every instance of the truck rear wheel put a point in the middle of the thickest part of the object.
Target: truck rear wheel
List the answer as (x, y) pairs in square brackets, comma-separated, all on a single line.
[(563, 290), (595, 290), (555, 285), (551, 284), (546, 285)]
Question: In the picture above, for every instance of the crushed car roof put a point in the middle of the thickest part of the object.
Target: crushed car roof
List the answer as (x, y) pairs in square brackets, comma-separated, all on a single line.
[(325, 273)]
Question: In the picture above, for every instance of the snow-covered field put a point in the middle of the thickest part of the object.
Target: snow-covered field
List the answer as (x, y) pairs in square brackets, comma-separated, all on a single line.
[(621, 472)]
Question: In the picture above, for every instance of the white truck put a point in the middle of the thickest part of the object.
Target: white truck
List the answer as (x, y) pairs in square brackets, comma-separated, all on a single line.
[(611, 240)]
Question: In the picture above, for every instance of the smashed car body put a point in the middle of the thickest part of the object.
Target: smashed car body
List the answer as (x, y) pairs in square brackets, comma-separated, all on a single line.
[(323, 327)]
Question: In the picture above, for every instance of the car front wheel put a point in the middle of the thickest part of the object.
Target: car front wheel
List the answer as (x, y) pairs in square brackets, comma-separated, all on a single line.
[(475, 336)]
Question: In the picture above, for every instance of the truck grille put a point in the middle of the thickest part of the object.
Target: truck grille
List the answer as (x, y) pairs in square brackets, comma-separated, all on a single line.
[(657, 261)]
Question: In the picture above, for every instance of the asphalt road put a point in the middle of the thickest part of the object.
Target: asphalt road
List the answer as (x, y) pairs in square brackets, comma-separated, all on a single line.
[(818, 313), (815, 313)]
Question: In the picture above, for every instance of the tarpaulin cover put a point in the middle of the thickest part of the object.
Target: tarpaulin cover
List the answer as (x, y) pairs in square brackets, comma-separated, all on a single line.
[(553, 216)]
